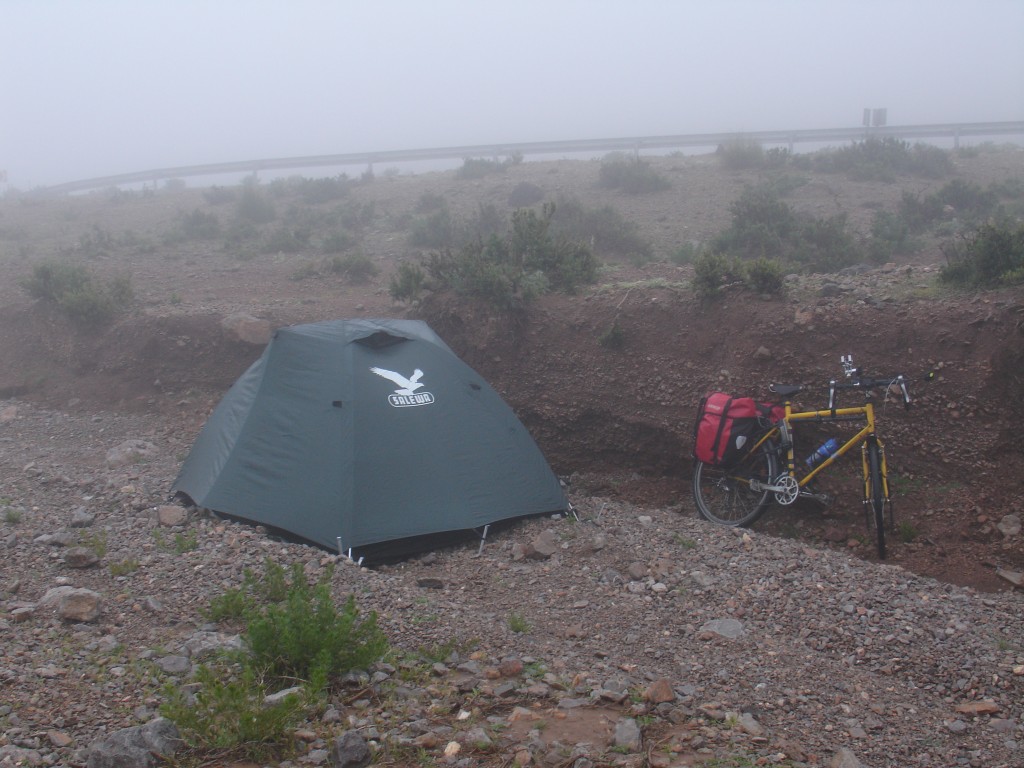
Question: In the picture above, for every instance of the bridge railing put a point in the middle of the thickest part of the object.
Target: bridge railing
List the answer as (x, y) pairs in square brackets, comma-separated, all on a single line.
[(633, 144)]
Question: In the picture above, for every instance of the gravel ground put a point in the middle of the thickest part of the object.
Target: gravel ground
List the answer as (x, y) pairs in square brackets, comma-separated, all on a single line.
[(770, 649)]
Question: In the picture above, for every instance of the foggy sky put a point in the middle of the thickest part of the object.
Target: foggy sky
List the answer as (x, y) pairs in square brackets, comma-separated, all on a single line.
[(98, 87)]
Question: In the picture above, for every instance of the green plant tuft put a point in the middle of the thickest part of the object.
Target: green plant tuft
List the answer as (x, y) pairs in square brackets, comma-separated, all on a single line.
[(630, 174), (77, 292), (306, 636)]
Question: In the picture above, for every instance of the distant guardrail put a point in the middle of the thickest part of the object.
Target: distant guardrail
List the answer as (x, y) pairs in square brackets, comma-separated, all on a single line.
[(956, 131)]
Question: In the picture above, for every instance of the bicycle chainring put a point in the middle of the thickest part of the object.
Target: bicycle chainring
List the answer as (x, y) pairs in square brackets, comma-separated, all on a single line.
[(789, 490)]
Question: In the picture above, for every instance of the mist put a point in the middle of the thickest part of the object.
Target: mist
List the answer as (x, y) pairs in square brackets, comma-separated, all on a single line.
[(105, 87)]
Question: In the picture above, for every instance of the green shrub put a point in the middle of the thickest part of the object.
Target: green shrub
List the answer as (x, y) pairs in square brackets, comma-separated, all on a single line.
[(525, 194), (307, 637), (713, 271), (608, 232), (884, 159), (825, 245), (407, 283), (987, 256), (438, 229), (511, 270), (740, 153), (765, 276), (967, 200), (630, 174), (253, 204), (229, 713), (78, 293), (890, 234), (96, 242), (766, 227), (762, 224), (685, 253), (197, 225), (487, 221), (478, 167), (357, 267), (315, 191), (430, 202), (286, 240), (567, 264), (220, 195), (338, 241)]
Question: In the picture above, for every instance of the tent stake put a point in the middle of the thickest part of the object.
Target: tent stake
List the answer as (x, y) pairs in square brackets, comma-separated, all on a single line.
[(341, 550), (483, 539)]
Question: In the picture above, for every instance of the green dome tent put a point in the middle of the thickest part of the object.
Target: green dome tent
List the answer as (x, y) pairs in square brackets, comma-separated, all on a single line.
[(369, 437)]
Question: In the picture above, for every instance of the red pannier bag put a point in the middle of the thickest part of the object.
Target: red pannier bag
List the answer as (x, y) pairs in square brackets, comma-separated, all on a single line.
[(726, 425)]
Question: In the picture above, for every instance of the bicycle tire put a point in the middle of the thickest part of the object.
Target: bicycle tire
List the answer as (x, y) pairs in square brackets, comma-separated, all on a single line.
[(723, 495), (877, 499)]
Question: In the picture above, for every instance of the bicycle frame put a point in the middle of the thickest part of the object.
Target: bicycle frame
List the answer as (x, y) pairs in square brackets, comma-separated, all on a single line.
[(864, 437)]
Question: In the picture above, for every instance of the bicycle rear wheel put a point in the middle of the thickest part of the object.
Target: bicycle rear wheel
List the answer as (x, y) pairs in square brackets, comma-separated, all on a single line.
[(724, 496), (876, 499)]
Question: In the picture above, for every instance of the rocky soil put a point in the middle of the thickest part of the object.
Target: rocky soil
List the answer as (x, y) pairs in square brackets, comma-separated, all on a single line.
[(631, 636), (634, 635)]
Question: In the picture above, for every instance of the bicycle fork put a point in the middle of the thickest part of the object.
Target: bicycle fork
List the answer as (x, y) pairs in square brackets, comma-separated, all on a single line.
[(884, 471)]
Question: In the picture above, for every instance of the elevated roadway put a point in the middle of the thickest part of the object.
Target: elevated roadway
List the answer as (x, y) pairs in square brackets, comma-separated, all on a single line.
[(790, 139)]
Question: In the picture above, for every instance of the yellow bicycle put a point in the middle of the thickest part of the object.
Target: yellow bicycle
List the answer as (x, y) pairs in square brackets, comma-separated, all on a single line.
[(768, 470)]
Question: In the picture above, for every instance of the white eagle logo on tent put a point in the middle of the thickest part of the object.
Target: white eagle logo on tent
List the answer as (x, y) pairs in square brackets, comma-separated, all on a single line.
[(405, 386)]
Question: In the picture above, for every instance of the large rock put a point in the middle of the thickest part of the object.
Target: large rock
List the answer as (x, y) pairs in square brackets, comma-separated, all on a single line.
[(138, 747), (129, 452), (246, 328), (349, 751)]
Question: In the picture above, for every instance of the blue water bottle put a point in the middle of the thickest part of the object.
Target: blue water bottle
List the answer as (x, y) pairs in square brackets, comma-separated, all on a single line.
[(826, 450)]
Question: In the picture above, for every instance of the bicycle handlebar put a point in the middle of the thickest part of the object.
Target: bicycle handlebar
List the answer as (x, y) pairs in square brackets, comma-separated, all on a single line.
[(861, 383), (865, 384)]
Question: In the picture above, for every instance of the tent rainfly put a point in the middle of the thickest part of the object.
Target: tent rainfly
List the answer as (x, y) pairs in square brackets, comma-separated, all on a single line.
[(369, 437)]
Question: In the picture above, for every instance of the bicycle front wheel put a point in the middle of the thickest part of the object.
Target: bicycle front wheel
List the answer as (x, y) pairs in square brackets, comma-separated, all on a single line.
[(876, 498), (724, 495)]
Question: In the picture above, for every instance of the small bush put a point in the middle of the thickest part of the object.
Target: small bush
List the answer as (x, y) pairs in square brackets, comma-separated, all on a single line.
[(430, 202), (712, 272), (478, 167), (607, 231), (762, 224), (220, 195), (765, 276), (511, 270), (229, 713), (406, 285), (78, 293), (740, 153), (884, 159), (518, 623), (358, 267), (314, 191), (487, 221), (253, 205), (525, 194), (631, 174), (338, 241), (685, 253), (307, 637), (990, 255), (197, 225), (435, 230), (286, 240)]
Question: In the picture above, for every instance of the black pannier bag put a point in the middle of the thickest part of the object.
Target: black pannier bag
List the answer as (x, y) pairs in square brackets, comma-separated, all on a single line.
[(727, 425)]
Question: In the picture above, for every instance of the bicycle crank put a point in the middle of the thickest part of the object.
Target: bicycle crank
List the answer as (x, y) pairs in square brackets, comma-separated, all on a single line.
[(787, 489)]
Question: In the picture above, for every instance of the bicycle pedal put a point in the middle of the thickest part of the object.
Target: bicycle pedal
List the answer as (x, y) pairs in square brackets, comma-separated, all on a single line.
[(822, 498)]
